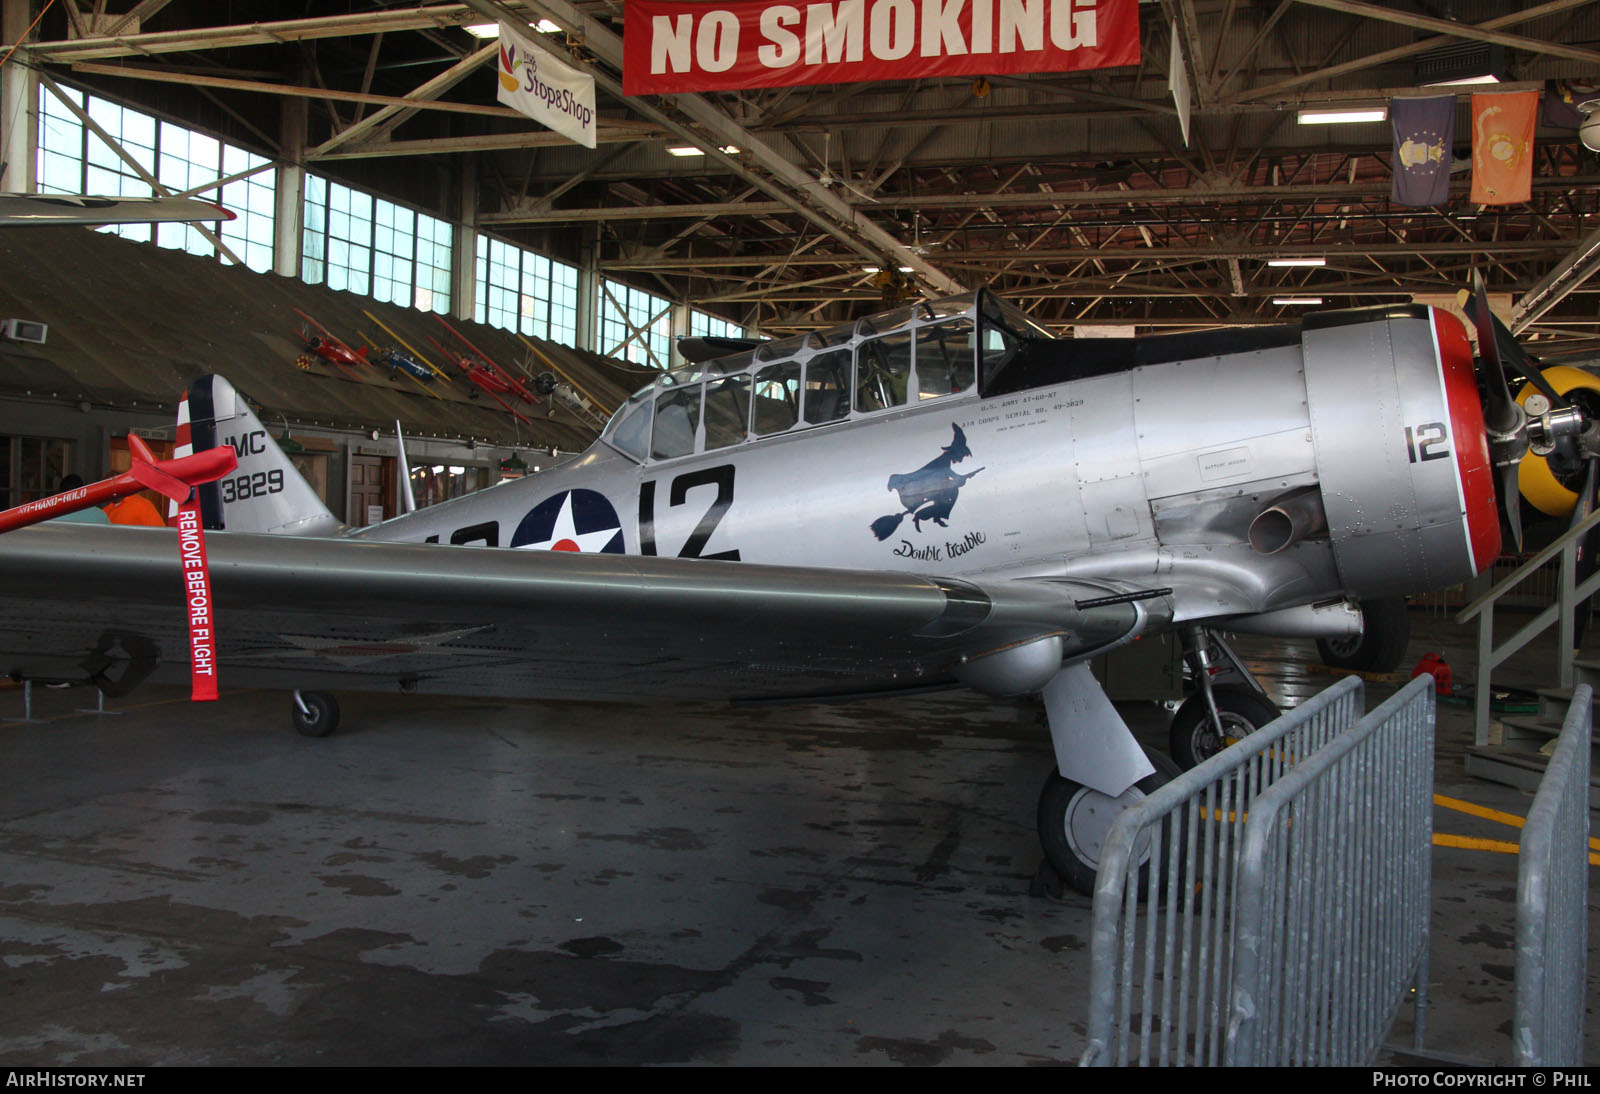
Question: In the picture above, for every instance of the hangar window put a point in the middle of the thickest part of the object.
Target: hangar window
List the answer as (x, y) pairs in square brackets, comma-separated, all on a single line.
[(526, 292), (702, 325), (73, 160), (393, 240), (337, 247), (634, 325), (363, 244)]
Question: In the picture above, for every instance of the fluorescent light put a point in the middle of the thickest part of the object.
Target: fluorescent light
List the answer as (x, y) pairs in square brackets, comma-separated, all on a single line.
[(684, 150), (1336, 115), (870, 269), (1297, 299), (1486, 78), (907, 269), (1297, 262), (492, 30)]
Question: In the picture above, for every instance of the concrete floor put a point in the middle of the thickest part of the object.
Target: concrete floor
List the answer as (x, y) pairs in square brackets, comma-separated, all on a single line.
[(473, 882)]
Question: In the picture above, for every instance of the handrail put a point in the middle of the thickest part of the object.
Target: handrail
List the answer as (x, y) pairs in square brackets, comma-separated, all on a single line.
[(1528, 567), (1569, 594)]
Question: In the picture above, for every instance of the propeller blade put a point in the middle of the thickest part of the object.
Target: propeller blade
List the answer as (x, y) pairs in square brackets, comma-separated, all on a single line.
[(1500, 412), (1511, 503), (1586, 499), (1499, 345)]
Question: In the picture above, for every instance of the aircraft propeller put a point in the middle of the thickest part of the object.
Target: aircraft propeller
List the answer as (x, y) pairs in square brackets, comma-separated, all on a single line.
[(1543, 440)]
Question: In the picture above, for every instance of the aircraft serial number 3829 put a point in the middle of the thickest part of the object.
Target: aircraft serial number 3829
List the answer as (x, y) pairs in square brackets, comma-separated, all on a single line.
[(939, 496)]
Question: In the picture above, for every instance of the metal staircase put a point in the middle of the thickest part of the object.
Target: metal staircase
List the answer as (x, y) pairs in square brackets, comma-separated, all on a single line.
[(1518, 753)]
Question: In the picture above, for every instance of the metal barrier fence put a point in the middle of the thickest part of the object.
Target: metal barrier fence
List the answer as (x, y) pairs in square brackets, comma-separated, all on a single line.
[(1174, 957), (1333, 895), (1552, 903)]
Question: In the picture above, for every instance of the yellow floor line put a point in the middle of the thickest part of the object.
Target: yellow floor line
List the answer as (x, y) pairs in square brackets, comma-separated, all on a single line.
[(1446, 839), (1473, 843), (1485, 813)]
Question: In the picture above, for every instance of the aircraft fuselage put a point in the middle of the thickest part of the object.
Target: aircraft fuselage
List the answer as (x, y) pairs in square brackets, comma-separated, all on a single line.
[(1266, 468)]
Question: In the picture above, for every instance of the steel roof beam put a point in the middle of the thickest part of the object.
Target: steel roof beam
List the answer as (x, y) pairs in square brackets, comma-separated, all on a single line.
[(254, 34), (1481, 33), (811, 199)]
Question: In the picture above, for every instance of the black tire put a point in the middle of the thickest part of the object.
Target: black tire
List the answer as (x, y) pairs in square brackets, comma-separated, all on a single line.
[(1385, 633), (1075, 820), (1192, 738), (321, 716)]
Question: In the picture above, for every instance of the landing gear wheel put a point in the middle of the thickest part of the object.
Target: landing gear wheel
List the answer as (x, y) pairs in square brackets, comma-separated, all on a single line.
[(1074, 822), (1193, 739), (315, 713), (1381, 646)]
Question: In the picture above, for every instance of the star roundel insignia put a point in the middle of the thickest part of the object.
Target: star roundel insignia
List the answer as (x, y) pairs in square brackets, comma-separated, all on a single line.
[(575, 520)]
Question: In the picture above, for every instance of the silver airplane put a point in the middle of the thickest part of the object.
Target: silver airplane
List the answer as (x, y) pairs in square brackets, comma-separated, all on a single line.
[(940, 496)]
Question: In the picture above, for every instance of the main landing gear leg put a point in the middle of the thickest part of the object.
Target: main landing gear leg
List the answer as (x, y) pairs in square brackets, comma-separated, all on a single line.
[(1217, 714), (1100, 772)]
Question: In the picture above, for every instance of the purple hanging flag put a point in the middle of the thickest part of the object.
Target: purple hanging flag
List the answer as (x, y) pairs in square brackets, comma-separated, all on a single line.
[(1424, 130)]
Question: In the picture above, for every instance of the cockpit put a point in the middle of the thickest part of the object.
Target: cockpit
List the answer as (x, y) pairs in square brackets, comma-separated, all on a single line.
[(935, 349)]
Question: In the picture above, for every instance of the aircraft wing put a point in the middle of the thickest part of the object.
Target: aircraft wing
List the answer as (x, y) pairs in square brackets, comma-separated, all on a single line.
[(84, 601), (20, 210)]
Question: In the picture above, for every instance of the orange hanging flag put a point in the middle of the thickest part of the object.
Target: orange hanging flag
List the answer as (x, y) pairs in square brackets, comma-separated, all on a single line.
[(1502, 146)]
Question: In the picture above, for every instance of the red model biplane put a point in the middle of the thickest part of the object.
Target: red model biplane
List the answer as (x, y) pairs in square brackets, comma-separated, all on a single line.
[(330, 348)]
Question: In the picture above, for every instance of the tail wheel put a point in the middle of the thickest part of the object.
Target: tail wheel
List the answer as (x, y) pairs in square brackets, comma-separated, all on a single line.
[(1193, 738), (315, 713)]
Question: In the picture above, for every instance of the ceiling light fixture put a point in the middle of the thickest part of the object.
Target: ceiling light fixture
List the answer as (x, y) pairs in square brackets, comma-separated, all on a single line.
[(1297, 299), (1342, 115), (1297, 262), (689, 150), (1486, 78), (492, 30)]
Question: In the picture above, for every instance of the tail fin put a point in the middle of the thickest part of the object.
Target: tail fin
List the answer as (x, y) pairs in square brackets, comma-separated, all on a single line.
[(266, 494)]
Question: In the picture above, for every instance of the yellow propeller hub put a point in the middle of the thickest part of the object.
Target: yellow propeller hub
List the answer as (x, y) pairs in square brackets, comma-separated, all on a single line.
[(1534, 478)]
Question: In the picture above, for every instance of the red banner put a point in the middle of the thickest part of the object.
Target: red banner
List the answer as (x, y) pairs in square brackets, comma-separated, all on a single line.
[(674, 46), (197, 600), (1502, 146)]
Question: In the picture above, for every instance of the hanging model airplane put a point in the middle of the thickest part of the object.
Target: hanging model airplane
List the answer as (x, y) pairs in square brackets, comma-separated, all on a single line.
[(43, 210), (939, 496)]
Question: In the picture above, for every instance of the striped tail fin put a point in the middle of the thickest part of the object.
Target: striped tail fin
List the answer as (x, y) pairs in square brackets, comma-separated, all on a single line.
[(267, 494)]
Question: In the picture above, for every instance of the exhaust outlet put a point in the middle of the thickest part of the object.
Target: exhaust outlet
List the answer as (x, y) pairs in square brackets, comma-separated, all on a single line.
[(1290, 519)]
